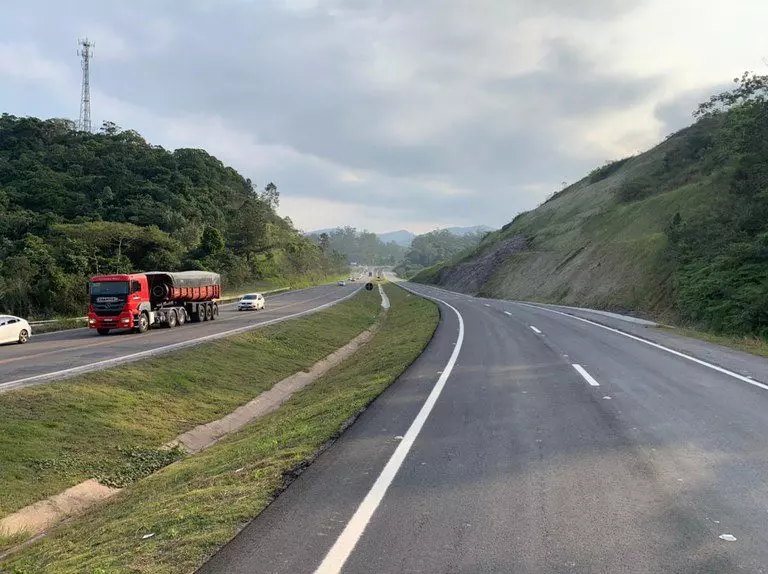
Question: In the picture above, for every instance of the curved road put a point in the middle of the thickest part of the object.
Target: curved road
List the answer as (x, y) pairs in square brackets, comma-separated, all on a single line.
[(58, 355), (557, 444)]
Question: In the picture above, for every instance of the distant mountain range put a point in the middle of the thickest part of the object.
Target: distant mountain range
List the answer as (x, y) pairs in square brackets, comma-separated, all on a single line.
[(401, 237), (404, 237)]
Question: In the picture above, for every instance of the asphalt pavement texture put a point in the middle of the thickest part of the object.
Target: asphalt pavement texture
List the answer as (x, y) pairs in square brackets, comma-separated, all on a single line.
[(45, 357), (524, 465)]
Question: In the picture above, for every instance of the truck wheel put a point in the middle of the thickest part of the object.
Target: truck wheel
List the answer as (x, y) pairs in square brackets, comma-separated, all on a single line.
[(214, 311), (143, 323), (208, 312), (181, 317), (172, 319), (102, 331)]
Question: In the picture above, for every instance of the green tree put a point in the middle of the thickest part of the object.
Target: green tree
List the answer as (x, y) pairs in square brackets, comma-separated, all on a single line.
[(212, 241), (75, 204)]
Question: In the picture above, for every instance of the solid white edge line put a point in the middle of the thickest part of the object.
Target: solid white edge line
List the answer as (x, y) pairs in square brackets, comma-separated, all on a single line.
[(339, 553), (587, 377), (66, 373), (657, 346), (535, 330)]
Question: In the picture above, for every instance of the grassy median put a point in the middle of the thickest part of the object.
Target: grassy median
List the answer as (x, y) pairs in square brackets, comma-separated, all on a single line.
[(197, 504), (110, 424)]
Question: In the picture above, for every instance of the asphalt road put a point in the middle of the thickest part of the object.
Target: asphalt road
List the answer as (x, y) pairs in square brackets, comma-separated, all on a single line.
[(53, 356), (636, 461)]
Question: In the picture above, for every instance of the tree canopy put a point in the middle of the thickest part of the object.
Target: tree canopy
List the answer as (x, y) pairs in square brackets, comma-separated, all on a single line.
[(73, 204), (722, 249), (434, 247), (361, 247)]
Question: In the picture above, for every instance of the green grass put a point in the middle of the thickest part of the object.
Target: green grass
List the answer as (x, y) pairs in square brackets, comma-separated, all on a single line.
[(586, 248), (752, 345), (109, 424), (196, 505)]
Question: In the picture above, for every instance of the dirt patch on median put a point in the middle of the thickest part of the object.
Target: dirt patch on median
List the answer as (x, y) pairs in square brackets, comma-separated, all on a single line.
[(37, 517), (203, 436)]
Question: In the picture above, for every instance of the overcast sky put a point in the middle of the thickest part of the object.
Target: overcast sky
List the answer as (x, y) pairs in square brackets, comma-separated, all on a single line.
[(387, 114)]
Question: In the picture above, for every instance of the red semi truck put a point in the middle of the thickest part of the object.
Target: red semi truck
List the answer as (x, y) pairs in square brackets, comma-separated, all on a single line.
[(139, 301)]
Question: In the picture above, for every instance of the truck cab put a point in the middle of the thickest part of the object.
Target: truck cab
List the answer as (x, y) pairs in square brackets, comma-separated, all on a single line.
[(139, 301), (117, 301)]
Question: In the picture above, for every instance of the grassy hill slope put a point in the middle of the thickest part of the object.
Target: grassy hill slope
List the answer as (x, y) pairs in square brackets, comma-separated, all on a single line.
[(679, 233), (587, 245)]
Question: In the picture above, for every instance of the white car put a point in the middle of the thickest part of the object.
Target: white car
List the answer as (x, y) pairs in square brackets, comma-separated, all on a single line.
[(14, 330), (251, 302), (342, 283)]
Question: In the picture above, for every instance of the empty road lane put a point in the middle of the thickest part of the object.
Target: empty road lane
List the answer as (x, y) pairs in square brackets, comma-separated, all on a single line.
[(556, 445), (52, 356)]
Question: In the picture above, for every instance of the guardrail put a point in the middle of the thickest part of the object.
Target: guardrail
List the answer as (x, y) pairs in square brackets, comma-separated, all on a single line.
[(221, 300)]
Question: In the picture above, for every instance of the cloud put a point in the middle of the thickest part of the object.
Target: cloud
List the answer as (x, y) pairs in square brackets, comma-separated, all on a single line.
[(436, 112), (24, 61)]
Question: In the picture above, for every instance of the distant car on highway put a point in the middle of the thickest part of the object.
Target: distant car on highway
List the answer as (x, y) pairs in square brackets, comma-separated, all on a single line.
[(342, 283), (14, 330), (251, 302)]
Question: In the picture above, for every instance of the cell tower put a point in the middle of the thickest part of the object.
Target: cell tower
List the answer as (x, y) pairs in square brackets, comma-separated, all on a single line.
[(84, 123)]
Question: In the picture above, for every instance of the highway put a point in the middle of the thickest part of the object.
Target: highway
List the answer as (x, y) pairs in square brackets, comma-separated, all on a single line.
[(58, 355), (525, 439)]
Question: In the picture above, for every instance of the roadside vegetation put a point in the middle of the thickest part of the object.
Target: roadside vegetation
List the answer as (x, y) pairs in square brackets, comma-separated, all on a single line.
[(679, 233), (110, 424), (197, 504), (748, 344), (77, 204)]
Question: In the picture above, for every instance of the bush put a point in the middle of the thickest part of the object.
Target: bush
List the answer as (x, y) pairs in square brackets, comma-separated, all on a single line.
[(636, 189), (606, 170)]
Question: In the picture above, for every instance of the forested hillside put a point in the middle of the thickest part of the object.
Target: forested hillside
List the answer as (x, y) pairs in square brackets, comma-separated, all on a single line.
[(436, 246), (677, 233), (361, 247), (74, 204)]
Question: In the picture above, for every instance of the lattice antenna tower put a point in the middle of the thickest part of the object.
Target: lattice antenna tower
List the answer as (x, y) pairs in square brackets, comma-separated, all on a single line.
[(85, 53)]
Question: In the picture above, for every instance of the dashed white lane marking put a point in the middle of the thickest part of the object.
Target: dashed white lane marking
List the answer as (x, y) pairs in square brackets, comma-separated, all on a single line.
[(535, 330), (587, 377), (486, 304), (507, 313), (657, 346), (339, 553)]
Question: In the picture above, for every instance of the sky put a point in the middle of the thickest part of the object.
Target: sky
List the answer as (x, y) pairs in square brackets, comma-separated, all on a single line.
[(387, 114)]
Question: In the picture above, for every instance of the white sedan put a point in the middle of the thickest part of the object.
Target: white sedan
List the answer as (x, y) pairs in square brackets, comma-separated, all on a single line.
[(251, 302), (14, 330)]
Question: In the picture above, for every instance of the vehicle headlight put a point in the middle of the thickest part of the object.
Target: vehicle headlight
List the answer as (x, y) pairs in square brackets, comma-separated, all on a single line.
[(91, 321)]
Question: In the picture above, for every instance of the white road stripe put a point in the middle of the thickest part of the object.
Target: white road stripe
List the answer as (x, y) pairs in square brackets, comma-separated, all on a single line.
[(587, 377), (535, 330), (339, 553), (71, 372), (486, 304), (657, 346), (507, 313)]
